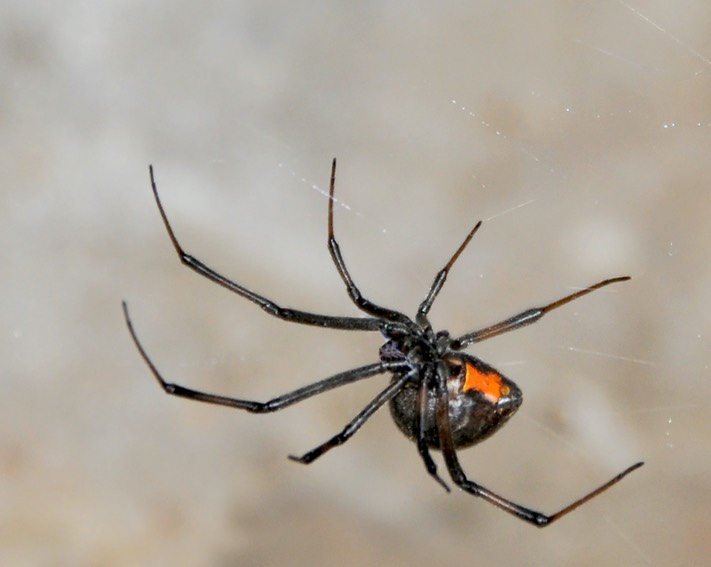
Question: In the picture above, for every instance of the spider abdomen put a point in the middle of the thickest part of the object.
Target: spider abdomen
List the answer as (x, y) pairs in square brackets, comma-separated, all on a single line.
[(481, 401)]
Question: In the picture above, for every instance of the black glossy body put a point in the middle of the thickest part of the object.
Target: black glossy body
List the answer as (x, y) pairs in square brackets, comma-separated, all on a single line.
[(473, 417), (439, 397)]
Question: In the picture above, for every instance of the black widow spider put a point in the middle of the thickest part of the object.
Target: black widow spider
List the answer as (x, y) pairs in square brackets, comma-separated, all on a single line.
[(439, 397)]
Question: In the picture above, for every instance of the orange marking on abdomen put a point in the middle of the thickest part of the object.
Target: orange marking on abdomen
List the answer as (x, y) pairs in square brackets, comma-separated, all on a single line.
[(488, 383)]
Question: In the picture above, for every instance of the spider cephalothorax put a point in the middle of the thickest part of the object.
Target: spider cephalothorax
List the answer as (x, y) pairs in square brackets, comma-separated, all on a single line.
[(439, 397)]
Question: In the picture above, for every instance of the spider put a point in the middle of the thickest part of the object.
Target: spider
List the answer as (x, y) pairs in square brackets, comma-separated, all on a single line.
[(439, 397)]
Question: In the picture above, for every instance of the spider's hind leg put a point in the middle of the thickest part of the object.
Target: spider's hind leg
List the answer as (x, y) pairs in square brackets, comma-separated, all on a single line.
[(460, 479), (421, 441)]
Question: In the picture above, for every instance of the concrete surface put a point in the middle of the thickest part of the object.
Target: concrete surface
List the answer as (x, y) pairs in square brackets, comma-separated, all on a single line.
[(580, 131)]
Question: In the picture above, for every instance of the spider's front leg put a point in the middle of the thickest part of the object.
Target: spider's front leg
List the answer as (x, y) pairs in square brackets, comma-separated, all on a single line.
[(284, 313), (354, 293), (275, 404)]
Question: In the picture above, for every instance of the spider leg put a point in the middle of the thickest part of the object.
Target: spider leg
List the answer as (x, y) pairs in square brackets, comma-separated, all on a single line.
[(526, 317), (302, 317), (422, 447), (374, 405), (272, 405), (441, 277), (460, 479), (354, 293)]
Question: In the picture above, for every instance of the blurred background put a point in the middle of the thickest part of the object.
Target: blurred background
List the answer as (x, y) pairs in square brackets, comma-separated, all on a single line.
[(578, 131)]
